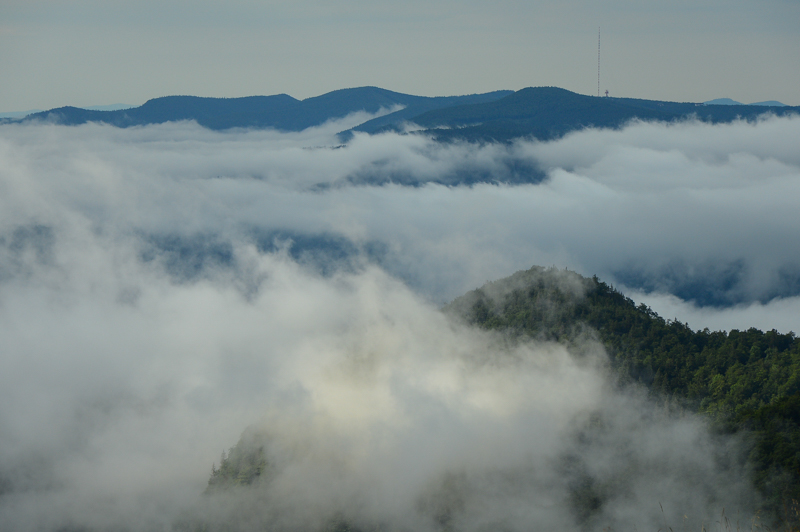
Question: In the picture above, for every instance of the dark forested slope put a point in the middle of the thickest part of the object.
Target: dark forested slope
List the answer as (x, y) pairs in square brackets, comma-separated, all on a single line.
[(537, 112), (281, 112), (546, 113), (745, 380)]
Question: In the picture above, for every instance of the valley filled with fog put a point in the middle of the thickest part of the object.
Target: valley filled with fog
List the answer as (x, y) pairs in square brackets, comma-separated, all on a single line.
[(164, 287)]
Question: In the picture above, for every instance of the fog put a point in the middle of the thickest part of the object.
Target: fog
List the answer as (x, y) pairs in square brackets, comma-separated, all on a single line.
[(702, 212), (163, 288), (117, 399)]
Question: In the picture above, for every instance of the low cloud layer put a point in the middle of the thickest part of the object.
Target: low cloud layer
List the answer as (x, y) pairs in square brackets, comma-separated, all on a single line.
[(702, 212), (163, 288), (121, 387)]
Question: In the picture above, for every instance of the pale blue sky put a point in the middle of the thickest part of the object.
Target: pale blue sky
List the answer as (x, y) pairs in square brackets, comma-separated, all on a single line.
[(92, 52)]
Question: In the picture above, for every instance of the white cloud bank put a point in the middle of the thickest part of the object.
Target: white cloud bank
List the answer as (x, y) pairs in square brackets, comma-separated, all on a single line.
[(120, 388), (143, 325), (700, 211)]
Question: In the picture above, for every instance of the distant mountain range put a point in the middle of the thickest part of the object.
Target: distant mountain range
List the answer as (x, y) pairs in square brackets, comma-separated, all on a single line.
[(281, 111), (112, 107), (538, 112), (728, 101), (549, 112), (17, 114)]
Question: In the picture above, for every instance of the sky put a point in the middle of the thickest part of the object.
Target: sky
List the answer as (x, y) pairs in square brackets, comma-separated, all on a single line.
[(90, 52)]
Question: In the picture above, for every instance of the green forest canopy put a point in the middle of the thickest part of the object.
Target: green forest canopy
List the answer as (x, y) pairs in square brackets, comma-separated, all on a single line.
[(745, 381)]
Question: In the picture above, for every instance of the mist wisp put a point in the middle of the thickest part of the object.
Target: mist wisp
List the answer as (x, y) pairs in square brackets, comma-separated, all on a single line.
[(372, 407)]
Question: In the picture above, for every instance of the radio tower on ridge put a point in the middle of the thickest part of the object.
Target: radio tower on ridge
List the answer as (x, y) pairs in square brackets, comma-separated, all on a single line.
[(598, 62)]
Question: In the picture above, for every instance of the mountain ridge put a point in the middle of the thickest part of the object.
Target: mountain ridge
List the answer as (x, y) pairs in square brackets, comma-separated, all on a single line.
[(541, 113), (547, 113), (281, 111)]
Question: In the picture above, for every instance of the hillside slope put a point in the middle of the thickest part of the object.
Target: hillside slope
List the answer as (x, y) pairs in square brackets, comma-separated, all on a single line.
[(542, 113), (281, 112), (745, 380), (546, 113)]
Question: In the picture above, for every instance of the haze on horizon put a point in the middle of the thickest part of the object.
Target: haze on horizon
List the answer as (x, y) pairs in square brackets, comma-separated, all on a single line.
[(89, 52)]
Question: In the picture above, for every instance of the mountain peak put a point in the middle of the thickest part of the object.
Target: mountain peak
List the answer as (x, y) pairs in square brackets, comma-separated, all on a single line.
[(722, 101)]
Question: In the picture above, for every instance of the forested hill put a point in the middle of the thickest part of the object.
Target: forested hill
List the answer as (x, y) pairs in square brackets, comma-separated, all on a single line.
[(281, 112), (745, 380), (546, 113), (539, 112)]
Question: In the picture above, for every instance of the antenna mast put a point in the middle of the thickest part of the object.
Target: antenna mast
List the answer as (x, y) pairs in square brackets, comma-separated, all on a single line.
[(598, 61)]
